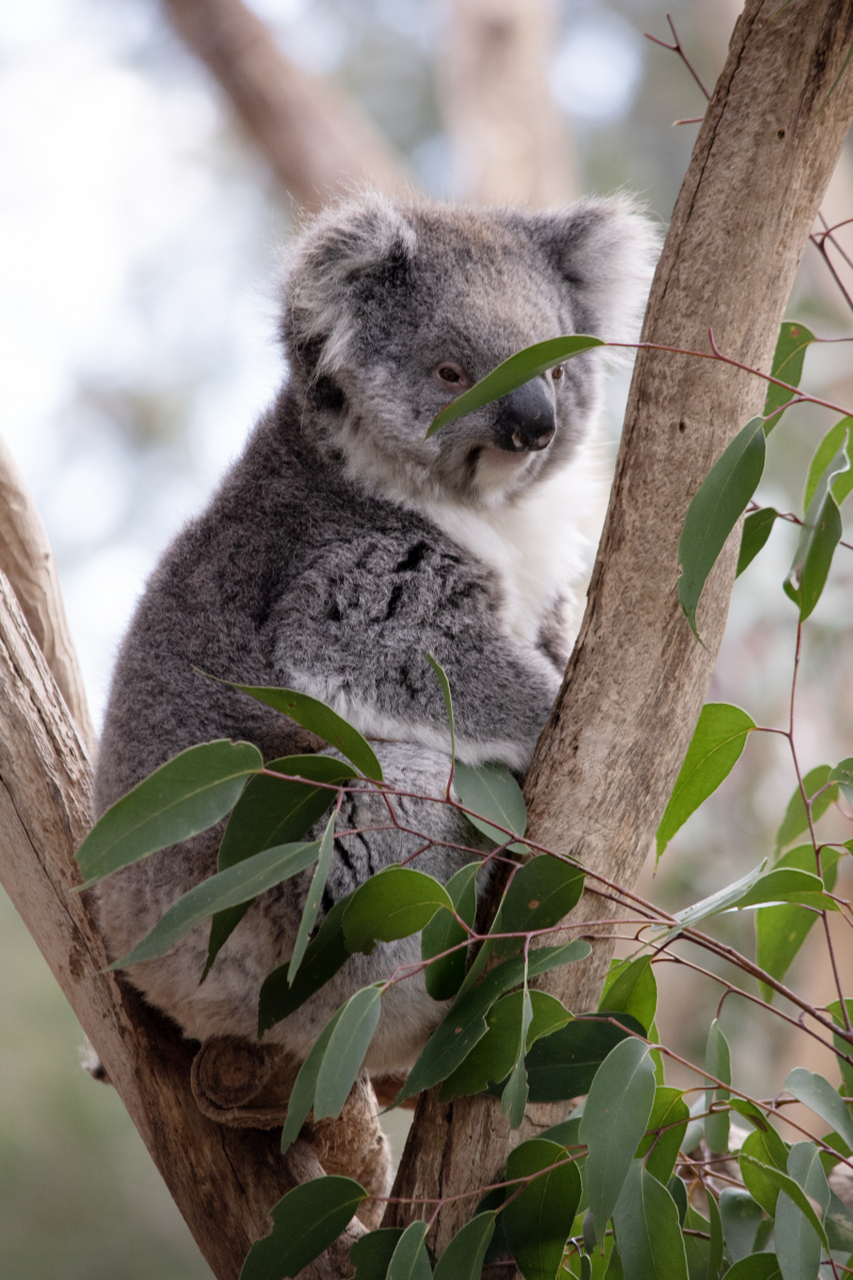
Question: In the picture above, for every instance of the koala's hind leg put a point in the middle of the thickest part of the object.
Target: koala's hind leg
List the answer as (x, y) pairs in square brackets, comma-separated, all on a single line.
[(244, 1085)]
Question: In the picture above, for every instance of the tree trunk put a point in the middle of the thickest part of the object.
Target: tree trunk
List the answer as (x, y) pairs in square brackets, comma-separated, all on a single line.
[(608, 758), (510, 143)]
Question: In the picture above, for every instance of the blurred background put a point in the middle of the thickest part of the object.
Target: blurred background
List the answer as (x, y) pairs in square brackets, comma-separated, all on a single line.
[(146, 196)]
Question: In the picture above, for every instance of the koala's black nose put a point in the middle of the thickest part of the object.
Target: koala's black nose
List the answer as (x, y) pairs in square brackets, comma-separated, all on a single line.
[(525, 419)]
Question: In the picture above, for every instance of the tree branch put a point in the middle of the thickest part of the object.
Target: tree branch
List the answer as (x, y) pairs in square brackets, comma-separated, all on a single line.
[(608, 758), (316, 139)]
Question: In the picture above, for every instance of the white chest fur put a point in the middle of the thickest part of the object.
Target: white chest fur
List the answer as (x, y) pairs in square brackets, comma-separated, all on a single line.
[(540, 546)]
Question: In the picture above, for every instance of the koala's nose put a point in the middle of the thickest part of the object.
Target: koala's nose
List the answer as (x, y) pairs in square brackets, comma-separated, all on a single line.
[(525, 419)]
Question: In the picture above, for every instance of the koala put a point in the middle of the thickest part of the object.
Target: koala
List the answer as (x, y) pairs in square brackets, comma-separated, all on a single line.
[(343, 546)]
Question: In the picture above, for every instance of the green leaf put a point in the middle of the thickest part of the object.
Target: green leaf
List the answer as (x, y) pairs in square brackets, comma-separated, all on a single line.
[(717, 505), (615, 1117), (756, 531), (492, 795), (225, 889), (444, 977), (839, 1224), (756, 1266), (843, 1047), (301, 1099), (717, 1064), (631, 988), (787, 884), (766, 1146), (797, 1242), (834, 440), (722, 900), (715, 1249), (819, 536), (394, 903), (787, 367), (843, 775), (492, 1058), (741, 1216), (322, 720), (186, 795), (819, 1096), (465, 1023), (522, 367), (448, 699), (781, 1182), (372, 1253), (305, 1222), (538, 1221), (409, 1260), (780, 931), (464, 1255), (718, 741), (326, 954), (348, 1046), (273, 811), (750, 1112), (562, 1065), (542, 893), (648, 1233), (514, 1096), (313, 900), (666, 1129), (795, 821)]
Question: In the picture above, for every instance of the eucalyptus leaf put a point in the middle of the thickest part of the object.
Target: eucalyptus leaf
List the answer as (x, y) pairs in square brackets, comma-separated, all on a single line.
[(325, 955), (795, 821), (318, 718), (835, 439), (273, 810), (514, 1096), (444, 683), (464, 1255), (819, 1096), (186, 795), (313, 899), (631, 988), (844, 1047), (717, 1064), (372, 1253), (756, 530), (717, 505), (781, 1182), (562, 1065), (542, 893), (756, 1266), (787, 367), (225, 889), (537, 1222), (394, 903), (301, 1098), (492, 1058), (843, 775), (409, 1260), (492, 795), (514, 372), (717, 743), (788, 884), (666, 1129), (615, 1117), (445, 976), (781, 930), (722, 900), (798, 1245), (741, 1217), (648, 1233), (305, 1222), (819, 536), (346, 1051)]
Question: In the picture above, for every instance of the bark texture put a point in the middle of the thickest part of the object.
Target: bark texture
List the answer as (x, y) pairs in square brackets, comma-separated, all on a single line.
[(318, 142), (511, 144), (28, 562), (636, 682)]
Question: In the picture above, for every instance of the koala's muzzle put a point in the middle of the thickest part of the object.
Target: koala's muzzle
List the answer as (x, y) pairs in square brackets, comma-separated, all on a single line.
[(525, 420)]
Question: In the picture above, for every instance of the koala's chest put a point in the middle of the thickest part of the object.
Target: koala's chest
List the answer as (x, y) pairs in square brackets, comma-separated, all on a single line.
[(538, 549)]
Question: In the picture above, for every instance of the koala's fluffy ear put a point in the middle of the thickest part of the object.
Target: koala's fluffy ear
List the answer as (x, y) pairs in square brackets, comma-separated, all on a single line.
[(344, 243), (606, 251)]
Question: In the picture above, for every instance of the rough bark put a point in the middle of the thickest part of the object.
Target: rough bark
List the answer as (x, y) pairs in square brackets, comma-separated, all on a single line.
[(636, 682), (318, 142), (28, 562), (511, 145)]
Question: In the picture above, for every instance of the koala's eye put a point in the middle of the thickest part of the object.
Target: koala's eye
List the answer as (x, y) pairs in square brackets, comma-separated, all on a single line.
[(450, 375), (557, 372)]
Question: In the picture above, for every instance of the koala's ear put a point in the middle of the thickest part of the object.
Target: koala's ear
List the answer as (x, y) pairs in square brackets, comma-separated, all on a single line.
[(343, 245), (606, 251)]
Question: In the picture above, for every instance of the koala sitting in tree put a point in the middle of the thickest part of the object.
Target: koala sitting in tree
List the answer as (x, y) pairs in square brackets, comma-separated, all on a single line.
[(343, 546)]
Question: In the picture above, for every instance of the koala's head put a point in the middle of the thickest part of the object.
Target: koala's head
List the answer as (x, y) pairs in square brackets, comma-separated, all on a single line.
[(392, 310)]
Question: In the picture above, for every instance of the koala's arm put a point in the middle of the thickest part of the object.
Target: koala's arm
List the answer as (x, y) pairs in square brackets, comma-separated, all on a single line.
[(376, 610)]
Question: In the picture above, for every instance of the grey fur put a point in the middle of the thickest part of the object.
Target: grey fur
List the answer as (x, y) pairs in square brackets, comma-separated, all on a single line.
[(343, 546)]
